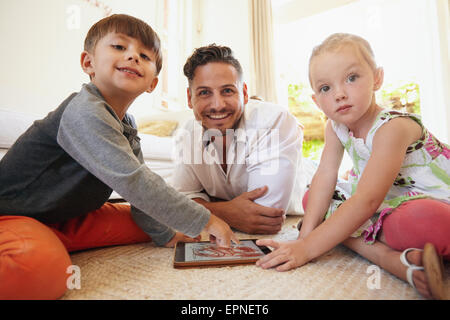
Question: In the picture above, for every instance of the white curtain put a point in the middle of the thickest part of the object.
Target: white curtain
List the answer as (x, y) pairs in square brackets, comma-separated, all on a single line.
[(262, 57)]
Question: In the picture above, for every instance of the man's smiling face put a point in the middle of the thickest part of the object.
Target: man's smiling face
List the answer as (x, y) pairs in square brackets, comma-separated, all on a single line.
[(217, 96)]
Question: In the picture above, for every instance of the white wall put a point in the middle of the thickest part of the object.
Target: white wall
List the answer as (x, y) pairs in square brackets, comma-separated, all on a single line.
[(40, 56), (42, 42), (41, 46), (224, 22), (292, 10)]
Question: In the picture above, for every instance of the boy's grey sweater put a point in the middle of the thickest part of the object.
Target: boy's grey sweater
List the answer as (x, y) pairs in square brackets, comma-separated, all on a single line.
[(68, 163)]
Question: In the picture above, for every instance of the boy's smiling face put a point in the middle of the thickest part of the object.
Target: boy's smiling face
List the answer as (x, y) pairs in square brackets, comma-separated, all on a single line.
[(121, 65)]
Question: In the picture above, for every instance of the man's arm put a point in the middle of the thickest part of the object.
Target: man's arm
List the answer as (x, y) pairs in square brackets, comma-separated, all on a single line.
[(272, 164), (241, 213), (275, 159), (245, 215)]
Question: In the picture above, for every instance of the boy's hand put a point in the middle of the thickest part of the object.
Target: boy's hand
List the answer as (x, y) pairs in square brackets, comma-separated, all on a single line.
[(180, 237), (220, 232)]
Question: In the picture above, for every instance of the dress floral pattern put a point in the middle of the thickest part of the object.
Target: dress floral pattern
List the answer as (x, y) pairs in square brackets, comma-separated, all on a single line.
[(425, 172)]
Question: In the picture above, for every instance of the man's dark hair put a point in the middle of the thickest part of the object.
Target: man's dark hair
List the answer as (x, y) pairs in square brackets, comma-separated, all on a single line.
[(207, 54)]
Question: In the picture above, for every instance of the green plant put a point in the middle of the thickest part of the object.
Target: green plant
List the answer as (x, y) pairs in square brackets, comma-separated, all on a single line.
[(300, 100), (312, 149), (400, 96), (304, 109)]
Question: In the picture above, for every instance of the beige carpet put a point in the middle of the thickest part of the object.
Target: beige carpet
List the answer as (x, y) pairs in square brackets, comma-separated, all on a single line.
[(144, 271)]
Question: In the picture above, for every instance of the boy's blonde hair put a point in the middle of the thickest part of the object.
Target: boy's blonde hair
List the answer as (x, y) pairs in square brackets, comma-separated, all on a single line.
[(130, 26), (338, 40)]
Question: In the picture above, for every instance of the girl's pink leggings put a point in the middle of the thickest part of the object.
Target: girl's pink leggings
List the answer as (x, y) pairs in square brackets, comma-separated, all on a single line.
[(415, 223)]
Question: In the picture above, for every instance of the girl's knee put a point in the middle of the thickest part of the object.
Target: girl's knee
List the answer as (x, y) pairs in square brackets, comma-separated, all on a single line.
[(416, 222), (33, 261), (421, 214)]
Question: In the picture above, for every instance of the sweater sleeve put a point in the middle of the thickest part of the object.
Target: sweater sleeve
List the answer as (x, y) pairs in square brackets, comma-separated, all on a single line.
[(160, 233), (91, 133)]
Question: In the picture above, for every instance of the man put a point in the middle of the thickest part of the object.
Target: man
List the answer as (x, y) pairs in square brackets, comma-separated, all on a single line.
[(241, 158)]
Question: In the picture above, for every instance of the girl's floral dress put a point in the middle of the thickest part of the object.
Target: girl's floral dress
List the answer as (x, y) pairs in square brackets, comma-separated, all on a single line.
[(425, 172)]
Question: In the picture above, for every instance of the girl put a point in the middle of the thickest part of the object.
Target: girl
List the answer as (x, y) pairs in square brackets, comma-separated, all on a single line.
[(400, 173)]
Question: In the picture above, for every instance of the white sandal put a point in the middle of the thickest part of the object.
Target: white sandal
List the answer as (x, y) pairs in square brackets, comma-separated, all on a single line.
[(433, 269), (411, 267)]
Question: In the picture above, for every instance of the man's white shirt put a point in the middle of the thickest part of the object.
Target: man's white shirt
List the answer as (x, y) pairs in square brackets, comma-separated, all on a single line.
[(264, 149)]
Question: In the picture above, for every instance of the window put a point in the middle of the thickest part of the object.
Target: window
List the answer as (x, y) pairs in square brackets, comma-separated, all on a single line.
[(171, 20), (175, 38), (401, 35)]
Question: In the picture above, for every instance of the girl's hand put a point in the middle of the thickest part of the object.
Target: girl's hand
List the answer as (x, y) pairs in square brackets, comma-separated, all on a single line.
[(181, 237), (287, 255)]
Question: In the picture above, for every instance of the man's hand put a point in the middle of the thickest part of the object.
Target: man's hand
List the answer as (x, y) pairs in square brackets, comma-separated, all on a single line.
[(245, 215), (249, 217)]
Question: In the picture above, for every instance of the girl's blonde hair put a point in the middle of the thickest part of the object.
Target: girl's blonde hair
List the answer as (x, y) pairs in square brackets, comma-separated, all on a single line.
[(338, 40)]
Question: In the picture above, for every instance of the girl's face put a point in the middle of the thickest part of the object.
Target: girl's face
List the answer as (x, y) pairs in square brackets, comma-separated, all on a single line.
[(344, 84)]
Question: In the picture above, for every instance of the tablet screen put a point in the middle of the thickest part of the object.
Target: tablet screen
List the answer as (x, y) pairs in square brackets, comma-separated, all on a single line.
[(201, 251)]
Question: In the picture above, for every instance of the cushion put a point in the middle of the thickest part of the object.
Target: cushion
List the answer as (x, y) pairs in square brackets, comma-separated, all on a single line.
[(2, 153), (163, 123), (159, 128), (12, 125), (154, 147)]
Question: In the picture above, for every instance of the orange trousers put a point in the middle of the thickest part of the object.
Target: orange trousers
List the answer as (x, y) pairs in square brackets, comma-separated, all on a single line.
[(34, 257)]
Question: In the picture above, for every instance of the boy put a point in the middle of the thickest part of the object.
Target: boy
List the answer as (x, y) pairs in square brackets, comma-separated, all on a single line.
[(56, 178)]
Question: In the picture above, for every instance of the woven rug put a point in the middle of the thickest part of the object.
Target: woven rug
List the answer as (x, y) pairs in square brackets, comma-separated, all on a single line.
[(144, 271)]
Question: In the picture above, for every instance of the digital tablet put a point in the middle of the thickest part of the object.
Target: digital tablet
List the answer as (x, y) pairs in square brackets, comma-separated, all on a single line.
[(207, 254)]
